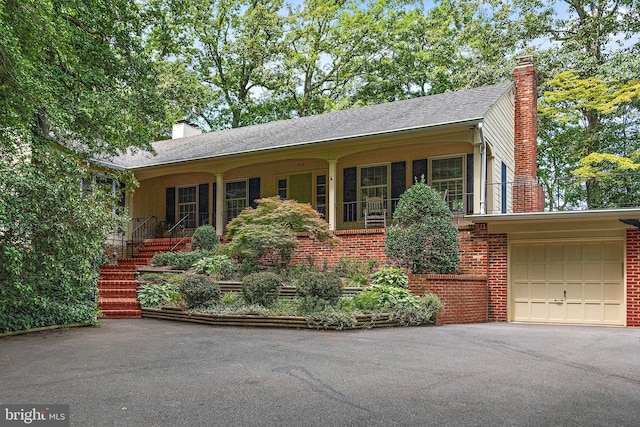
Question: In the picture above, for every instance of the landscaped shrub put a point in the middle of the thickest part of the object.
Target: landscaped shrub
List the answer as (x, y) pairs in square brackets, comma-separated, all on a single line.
[(331, 318), (178, 260), (319, 289), (423, 238), (391, 277), (267, 233), (204, 238), (219, 266), (261, 288), (355, 272), (424, 312), (379, 297), (402, 306), (154, 295), (199, 291), (268, 244)]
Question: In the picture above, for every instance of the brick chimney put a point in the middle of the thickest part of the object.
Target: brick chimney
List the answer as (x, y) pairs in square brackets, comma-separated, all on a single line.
[(527, 194), (183, 128)]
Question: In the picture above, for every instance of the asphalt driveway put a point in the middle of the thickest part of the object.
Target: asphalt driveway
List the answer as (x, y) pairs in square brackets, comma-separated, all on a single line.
[(159, 373)]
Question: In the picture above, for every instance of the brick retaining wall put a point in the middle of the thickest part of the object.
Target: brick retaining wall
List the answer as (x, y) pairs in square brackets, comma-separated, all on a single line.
[(464, 296)]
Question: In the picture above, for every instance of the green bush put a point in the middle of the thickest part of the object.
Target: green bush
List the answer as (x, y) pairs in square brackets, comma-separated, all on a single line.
[(332, 318), (204, 238), (319, 289), (217, 265), (199, 291), (154, 295), (424, 312), (267, 233), (381, 297), (261, 288), (178, 260), (354, 271), (423, 237), (232, 299), (391, 277)]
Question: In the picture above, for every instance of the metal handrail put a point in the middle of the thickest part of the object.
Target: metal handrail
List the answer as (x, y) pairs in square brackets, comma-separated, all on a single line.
[(172, 231), (141, 232)]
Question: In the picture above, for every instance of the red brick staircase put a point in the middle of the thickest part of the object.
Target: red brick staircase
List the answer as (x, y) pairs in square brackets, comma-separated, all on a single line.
[(117, 284)]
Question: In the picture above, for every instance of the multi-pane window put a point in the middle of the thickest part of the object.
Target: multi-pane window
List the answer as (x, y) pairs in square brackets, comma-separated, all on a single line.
[(187, 198), (282, 188), (373, 183), (447, 178), (236, 198), (321, 194)]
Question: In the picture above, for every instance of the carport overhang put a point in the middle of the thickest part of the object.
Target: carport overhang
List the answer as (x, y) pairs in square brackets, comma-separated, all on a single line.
[(596, 221)]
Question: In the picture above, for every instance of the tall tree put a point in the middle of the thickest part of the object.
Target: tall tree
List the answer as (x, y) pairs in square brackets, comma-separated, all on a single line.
[(228, 46), (74, 83), (590, 100)]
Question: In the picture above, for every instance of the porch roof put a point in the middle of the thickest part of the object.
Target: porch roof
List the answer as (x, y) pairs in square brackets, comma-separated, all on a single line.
[(461, 107)]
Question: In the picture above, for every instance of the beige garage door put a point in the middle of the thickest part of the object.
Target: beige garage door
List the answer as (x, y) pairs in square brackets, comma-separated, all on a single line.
[(574, 282)]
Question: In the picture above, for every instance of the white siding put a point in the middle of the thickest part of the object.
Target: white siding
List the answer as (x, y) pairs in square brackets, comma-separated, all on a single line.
[(499, 134)]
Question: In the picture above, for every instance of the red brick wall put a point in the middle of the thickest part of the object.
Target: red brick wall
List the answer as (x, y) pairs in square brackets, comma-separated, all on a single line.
[(354, 244), (497, 277), (633, 277), (527, 194), (464, 296), (473, 249)]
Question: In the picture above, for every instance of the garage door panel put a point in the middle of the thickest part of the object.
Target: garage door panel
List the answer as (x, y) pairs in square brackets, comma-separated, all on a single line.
[(613, 292), (520, 291), (593, 291), (594, 312), (539, 311), (612, 313), (613, 252), (613, 271), (570, 282), (572, 271), (575, 311), (572, 252), (593, 271)]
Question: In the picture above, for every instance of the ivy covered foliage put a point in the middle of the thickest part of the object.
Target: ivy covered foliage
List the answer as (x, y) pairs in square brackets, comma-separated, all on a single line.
[(422, 238), (266, 234), (51, 235)]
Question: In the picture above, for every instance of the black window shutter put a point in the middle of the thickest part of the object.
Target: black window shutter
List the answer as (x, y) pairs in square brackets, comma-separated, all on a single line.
[(398, 182), (419, 169), (469, 183), (254, 191), (203, 204), (504, 187), (121, 194), (170, 212), (349, 193)]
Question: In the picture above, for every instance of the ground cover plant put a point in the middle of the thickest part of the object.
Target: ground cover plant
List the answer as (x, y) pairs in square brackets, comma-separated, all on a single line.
[(319, 297)]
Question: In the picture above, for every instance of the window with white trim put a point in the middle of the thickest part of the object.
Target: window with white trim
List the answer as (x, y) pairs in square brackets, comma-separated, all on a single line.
[(373, 182), (187, 205), (236, 198), (447, 178)]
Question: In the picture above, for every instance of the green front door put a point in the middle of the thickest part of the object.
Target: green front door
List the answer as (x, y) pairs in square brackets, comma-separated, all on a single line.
[(301, 187)]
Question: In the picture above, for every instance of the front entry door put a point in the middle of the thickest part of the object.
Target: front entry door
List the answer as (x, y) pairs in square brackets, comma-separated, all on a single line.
[(301, 187)]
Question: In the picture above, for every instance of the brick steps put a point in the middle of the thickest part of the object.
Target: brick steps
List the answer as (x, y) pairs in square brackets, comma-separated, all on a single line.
[(117, 284)]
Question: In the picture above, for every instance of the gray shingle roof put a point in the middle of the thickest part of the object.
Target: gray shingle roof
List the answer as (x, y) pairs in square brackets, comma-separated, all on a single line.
[(428, 111)]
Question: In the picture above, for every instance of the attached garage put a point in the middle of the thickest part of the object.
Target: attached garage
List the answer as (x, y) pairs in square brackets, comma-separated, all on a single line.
[(564, 267), (567, 282)]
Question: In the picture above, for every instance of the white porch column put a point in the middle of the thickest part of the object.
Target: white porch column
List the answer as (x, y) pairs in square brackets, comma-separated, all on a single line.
[(331, 210), (220, 204), (478, 179)]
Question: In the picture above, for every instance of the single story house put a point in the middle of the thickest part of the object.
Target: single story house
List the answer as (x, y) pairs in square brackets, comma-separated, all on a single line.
[(477, 147)]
